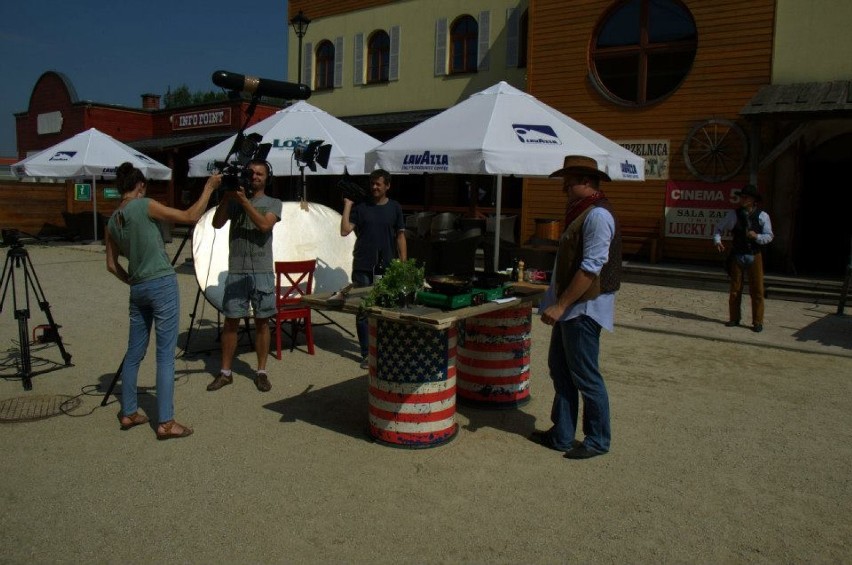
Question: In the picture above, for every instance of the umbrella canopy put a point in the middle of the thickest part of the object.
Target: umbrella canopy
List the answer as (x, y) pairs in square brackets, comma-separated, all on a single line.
[(299, 123), (501, 131), (91, 153)]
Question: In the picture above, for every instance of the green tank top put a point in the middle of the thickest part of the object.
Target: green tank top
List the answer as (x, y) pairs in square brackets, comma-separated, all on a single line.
[(140, 240)]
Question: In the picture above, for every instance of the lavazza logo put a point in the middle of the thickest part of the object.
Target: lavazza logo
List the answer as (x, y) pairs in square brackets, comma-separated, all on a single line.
[(63, 156), (426, 161), (536, 134)]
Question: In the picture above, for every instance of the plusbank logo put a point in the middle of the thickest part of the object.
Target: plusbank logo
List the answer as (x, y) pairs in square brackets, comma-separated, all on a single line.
[(426, 161), (63, 156), (537, 134), (629, 170)]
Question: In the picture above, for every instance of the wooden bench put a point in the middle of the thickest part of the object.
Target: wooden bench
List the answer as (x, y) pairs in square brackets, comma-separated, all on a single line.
[(641, 236)]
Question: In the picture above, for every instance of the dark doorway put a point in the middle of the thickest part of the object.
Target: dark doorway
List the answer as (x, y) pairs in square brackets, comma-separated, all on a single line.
[(823, 231)]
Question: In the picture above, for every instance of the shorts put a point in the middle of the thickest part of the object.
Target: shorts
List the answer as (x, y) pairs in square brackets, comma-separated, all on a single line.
[(242, 289)]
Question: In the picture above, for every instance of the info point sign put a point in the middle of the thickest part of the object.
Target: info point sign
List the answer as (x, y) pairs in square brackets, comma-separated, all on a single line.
[(694, 208)]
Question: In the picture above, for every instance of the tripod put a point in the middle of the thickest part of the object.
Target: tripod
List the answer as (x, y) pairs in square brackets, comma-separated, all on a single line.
[(17, 259)]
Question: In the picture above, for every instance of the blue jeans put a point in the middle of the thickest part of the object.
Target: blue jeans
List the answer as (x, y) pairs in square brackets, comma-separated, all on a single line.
[(156, 301), (573, 362), (359, 279)]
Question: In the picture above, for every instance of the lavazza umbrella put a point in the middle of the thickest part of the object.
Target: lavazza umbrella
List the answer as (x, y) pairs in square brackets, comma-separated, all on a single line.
[(90, 154), (300, 123), (501, 131)]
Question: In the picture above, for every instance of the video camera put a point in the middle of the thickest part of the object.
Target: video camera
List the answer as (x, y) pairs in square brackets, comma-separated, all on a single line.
[(235, 173), (352, 190)]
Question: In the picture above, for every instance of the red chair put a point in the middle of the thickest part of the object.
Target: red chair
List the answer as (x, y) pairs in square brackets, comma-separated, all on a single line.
[(293, 280)]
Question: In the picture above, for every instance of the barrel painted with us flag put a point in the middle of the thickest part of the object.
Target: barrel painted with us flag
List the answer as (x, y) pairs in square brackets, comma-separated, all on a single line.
[(493, 363), (412, 393)]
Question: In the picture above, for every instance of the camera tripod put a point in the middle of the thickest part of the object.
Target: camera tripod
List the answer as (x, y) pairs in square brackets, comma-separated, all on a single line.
[(17, 259)]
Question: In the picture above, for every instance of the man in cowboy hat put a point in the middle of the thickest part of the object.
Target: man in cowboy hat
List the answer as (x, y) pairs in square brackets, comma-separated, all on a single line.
[(751, 230), (578, 303)]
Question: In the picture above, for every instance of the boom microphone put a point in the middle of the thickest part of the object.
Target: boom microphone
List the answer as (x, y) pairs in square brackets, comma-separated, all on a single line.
[(261, 86)]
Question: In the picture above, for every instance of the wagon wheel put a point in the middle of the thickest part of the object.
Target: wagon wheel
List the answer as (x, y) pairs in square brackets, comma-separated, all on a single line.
[(715, 150)]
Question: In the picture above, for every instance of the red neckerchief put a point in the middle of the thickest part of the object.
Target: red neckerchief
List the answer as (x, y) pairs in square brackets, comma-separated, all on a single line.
[(577, 207)]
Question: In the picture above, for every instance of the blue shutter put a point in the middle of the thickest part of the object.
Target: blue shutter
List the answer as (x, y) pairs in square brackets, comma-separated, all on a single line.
[(484, 41), (338, 62), (393, 62), (441, 47), (358, 71)]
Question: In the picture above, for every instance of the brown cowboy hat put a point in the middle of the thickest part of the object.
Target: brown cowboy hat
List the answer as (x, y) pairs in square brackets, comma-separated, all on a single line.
[(749, 190), (580, 165)]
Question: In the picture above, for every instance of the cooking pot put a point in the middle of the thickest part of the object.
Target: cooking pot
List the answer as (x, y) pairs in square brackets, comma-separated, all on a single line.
[(450, 284)]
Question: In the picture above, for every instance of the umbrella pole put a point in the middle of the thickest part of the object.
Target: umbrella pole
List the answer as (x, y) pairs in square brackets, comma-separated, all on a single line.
[(498, 207), (95, 206)]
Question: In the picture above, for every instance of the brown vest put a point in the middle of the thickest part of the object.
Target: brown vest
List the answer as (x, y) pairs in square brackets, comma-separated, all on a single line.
[(571, 254)]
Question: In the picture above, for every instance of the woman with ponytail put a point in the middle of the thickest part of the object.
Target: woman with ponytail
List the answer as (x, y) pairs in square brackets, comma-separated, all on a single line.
[(134, 232)]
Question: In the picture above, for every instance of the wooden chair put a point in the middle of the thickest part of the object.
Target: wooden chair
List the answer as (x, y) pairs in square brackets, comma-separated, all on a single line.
[(293, 280)]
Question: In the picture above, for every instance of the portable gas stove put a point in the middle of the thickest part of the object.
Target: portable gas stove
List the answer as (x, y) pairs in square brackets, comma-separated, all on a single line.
[(474, 297)]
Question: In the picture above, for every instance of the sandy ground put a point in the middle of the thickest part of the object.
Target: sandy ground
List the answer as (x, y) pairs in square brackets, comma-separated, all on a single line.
[(728, 447)]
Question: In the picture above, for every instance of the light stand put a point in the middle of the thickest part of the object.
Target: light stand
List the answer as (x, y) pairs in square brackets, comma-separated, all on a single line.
[(17, 259)]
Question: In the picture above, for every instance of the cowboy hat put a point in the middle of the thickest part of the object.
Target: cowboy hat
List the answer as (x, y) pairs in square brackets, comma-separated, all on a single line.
[(749, 190), (580, 165)]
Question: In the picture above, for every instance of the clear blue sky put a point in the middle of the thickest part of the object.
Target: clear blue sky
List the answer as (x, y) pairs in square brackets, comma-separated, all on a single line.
[(115, 51)]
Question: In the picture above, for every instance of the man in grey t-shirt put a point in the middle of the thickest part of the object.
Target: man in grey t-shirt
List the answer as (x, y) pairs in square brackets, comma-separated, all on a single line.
[(251, 271)]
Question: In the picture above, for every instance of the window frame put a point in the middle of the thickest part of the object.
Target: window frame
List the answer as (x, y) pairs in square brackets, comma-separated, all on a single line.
[(324, 67), (641, 51), (378, 73), (469, 40)]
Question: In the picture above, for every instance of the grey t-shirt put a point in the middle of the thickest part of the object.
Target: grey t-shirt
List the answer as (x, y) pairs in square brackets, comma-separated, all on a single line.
[(251, 249)]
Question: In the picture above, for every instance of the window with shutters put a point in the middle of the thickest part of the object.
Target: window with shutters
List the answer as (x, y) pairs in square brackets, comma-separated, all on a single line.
[(642, 50), (378, 57), (464, 37), (324, 79)]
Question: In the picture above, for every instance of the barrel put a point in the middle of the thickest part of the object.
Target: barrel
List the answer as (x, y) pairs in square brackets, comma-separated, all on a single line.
[(494, 358), (547, 228), (412, 392)]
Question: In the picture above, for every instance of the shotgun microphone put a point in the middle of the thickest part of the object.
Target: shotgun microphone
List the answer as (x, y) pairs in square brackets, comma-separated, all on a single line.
[(261, 86)]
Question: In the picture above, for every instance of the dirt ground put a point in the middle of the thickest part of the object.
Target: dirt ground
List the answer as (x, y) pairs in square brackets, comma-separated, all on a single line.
[(723, 452)]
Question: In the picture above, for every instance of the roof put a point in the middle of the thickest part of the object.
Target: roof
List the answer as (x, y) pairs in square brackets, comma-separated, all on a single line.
[(823, 99), (171, 141)]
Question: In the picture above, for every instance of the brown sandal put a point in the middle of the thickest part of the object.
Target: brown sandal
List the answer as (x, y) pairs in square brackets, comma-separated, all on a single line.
[(172, 430), (135, 419)]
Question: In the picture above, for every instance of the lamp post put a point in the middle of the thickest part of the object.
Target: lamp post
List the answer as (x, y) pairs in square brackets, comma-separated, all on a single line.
[(300, 25)]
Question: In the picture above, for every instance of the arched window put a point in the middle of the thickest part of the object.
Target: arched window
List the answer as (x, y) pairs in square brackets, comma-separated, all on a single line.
[(378, 56), (642, 50), (325, 66), (464, 37)]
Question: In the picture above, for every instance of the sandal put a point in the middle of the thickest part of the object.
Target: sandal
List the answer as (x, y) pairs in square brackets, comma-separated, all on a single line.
[(172, 430), (135, 419)]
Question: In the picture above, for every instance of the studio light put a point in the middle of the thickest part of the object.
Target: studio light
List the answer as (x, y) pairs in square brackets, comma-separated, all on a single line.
[(312, 154)]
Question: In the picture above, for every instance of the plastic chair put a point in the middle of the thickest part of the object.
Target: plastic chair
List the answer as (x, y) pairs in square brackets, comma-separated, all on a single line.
[(293, 280)]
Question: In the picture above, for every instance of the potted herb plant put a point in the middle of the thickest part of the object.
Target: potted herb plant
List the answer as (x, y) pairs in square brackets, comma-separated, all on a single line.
[(398, 286)]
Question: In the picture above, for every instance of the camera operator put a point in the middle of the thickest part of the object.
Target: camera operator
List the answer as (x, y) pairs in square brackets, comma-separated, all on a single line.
[(133, 231), (251, 274), (380, 230)]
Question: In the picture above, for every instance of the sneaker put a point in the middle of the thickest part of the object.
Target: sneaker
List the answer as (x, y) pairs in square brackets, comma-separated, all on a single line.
[(365, 363), (757, 328), (220, 381), (261, 381)]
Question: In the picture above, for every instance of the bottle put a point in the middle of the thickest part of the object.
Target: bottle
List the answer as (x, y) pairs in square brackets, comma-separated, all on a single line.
[(520, 271), (514, 275), (379, 269)]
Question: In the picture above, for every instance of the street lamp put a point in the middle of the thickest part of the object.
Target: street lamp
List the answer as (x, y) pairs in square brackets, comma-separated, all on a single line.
[(300, 25)]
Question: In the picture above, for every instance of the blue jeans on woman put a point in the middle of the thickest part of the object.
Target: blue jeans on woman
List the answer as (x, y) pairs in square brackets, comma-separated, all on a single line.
[(155, 301), (573, 362)]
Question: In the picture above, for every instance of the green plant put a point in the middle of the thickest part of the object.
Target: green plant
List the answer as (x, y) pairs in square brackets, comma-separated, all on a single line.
[(401, 279)]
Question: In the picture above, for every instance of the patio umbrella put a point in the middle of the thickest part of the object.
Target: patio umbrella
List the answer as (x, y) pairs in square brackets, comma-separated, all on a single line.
[(91, 153), (501, 131), (300, 123)]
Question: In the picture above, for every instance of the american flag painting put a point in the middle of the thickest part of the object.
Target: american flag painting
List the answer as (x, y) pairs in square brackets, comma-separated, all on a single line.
[(412, 384), (494, 358)]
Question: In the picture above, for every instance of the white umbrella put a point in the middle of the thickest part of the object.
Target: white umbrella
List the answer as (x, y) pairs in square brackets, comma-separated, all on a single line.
[(91, 153), (299, 123), (501, 131)]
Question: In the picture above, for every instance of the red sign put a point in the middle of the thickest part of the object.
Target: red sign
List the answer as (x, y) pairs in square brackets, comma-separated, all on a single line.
[(694, 208), (202, 119)]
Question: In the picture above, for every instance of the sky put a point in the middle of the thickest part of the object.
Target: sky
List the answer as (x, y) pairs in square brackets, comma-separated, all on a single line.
[(114, 51)]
